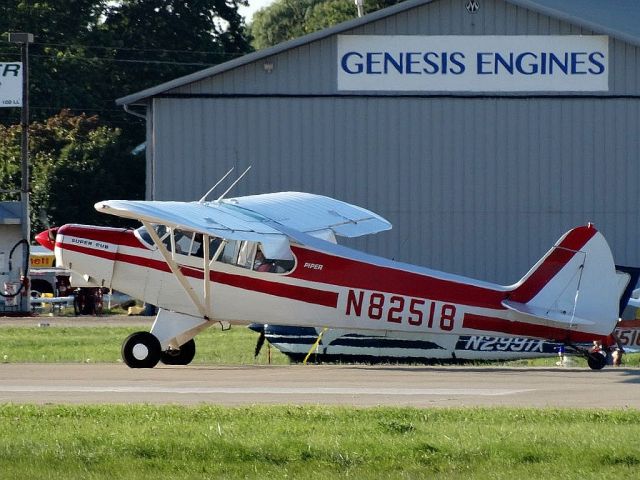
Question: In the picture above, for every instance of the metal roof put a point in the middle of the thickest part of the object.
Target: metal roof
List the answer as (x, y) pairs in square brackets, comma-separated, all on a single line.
[(616, 18)]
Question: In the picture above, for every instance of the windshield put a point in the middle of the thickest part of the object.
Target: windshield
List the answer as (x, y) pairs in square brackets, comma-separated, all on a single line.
[(241, 253), (142, 235)]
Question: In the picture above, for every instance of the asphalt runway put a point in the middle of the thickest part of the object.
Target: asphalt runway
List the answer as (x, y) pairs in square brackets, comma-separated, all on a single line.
[(321, 384)]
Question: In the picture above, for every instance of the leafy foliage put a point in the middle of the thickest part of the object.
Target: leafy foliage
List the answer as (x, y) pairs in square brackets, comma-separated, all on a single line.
[(287, 19), (88, 53), (76, 162)]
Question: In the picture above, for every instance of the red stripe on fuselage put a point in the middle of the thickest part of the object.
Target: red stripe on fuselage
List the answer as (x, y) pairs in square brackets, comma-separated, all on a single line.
[(355, 274), (117, 236), (484, 323), (293, 292), (94, 252)]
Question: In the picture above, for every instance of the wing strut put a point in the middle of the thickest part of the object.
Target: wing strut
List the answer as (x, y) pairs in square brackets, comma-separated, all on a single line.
[(207, 270), (175, 269)]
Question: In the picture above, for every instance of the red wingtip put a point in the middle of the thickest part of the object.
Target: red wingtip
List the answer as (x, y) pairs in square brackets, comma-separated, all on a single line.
[(47, 238)]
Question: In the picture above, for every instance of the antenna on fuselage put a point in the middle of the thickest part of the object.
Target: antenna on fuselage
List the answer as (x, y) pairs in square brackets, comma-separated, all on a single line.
[(214, 187), (233, 184)]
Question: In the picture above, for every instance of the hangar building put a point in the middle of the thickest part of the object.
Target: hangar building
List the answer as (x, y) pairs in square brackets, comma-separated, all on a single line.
[(482, 129)]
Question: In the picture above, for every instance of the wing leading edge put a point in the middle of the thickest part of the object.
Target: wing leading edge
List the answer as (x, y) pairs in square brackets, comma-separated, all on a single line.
[(256, 217)]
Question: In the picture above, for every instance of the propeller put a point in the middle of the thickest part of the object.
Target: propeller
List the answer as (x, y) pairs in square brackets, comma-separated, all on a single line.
[(259, 344), (258, 327)]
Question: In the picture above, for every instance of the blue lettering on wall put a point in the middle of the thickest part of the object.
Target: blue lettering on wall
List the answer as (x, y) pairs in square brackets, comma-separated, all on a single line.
[(353, 67), (395, 63), (457, 59), (412, 60), (507, 64), (372, 63), (528, 68), (510, 63), (482, 60), (577, 63), (563, 65), (432, 67), (599, 70)]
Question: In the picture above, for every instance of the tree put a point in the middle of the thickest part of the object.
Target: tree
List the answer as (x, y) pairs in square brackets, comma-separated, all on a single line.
[(76, 162), (287, 19), (329, 13), (280, 21), (86, 54), (55, 68), (174, 37)]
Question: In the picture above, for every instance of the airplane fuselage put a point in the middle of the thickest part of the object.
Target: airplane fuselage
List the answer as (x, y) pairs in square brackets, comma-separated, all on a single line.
[(322, 289)]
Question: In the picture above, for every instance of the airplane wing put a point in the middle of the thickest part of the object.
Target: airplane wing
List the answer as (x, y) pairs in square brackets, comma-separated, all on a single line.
[(256, 217)]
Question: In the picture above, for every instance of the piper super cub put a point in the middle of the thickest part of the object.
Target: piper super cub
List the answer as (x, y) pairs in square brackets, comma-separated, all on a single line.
[(274, 259)]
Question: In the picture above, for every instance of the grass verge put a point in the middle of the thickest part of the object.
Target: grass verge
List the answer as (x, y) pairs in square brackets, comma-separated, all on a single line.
[(136, 442), (102, 345)]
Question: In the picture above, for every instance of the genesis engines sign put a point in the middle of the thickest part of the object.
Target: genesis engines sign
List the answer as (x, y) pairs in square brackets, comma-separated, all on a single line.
[(11, 84), (557, 63)]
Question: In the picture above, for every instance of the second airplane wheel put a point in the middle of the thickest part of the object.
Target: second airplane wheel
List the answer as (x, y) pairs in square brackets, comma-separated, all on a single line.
[(141, 350), (183, 356), (596, 360)]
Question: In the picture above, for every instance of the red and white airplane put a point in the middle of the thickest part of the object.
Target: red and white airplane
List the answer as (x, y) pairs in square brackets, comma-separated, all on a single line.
[(274, 259)]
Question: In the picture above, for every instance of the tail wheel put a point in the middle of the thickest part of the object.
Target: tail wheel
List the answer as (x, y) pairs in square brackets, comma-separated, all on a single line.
[(596, 360), (182, 356), (141, 350)]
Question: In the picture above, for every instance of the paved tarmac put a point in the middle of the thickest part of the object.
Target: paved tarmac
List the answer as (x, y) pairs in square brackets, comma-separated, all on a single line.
[(321, 384)]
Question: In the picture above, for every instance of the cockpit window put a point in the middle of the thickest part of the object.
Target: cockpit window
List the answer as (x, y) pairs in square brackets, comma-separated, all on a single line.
[(186, 242), (249, 255), (242, 253), (142, 235)]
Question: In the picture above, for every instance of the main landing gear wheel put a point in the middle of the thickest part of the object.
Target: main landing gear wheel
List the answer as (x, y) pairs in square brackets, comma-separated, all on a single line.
[(181, 356), (596, 360), (141, 350)]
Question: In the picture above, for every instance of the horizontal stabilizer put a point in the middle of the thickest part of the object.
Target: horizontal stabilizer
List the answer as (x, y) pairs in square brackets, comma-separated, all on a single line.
[(537, 314)]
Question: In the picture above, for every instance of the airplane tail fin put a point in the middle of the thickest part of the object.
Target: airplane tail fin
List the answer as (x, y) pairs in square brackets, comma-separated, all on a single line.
[(575, 285)]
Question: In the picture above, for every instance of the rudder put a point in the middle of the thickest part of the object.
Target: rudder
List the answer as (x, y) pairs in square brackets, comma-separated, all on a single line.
[(574, 285)]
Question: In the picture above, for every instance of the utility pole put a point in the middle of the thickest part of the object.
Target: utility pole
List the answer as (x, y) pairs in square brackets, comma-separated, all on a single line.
[(360, 7), (24, 39)]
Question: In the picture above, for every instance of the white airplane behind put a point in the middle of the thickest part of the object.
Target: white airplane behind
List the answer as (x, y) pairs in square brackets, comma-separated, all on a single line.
[(274, 259)]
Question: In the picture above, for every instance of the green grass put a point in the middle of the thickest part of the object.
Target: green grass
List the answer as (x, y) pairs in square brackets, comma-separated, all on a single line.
[(102, 345), (141, 442)]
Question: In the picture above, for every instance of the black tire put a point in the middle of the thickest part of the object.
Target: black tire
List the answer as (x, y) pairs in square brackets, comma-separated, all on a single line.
[(141, 350), (596, 360), (183, 356)]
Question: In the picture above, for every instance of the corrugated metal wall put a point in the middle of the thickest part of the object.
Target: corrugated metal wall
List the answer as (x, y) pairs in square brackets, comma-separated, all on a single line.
[(481, 187), (478, 186)]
